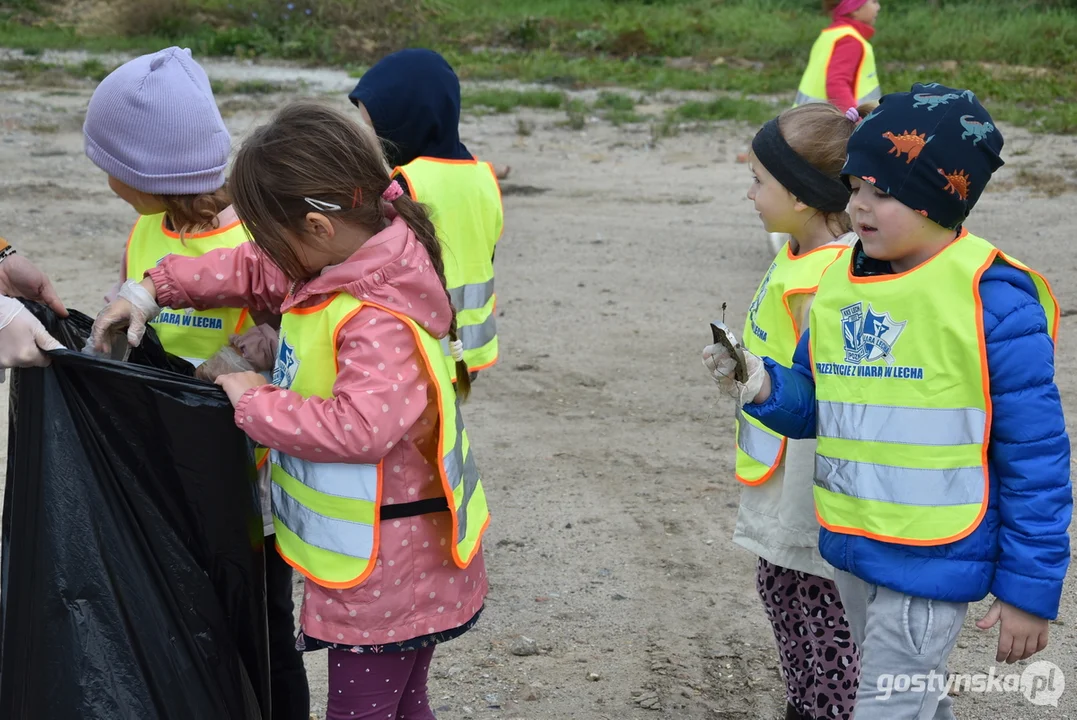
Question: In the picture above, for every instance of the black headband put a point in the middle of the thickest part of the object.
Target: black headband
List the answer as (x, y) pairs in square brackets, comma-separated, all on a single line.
[(810, 185)]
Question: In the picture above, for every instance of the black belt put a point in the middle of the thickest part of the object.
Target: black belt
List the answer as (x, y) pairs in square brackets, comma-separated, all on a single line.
[(411, 509)]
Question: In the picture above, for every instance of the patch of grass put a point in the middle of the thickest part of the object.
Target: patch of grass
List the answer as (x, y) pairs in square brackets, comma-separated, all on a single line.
[(623, 117), (615, 101), (577, 112), (94, 69), (36, 73), (245, 87), (767, 30), (617, 108), (751, 47), (504, 101), (1045, 184), (725, 108)]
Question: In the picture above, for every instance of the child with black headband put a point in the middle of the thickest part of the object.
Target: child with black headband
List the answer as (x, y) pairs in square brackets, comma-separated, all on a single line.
[(942, 468), (795, 163)]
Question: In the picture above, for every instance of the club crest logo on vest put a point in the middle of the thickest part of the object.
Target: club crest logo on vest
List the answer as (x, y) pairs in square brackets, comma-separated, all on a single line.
[(753, 309), (867, 338), (287, 365)]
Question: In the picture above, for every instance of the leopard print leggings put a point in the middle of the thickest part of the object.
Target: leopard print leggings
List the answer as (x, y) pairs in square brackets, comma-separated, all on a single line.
[(820, 662)]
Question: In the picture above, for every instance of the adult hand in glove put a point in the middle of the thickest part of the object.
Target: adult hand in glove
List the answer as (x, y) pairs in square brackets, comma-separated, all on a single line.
[(23, 339), (722, 366), (135, 307), (20, 278)]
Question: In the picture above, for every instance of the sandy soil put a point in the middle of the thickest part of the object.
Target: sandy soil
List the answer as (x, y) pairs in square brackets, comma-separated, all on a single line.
[(606, 450)]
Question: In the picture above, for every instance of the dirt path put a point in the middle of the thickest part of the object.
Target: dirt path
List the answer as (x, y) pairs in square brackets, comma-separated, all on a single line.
[(606, 450)]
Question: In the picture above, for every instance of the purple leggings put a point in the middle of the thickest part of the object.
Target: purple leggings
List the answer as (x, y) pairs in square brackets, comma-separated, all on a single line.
[(820, 662), (388, 686)]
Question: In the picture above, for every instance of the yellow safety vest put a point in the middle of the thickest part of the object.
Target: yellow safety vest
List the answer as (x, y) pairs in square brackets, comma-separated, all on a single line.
[(464, 201), (813, 84), (195, 335), (327, 515), (903, 397), (772, 331)]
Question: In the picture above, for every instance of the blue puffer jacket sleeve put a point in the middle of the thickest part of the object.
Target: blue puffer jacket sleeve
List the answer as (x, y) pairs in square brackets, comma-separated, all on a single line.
[(1029, 448), (790, 409)]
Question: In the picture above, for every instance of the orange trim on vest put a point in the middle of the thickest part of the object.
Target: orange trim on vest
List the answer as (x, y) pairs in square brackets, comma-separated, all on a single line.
[(193, 236), (446, 488), (242, 319), (1050, 291), (796, 329), (882, 278), (767, 475), (811, 290), (445, 161), (982, 342), (376, 544), (374, 549), (411, 188), (863, 56), (336, 333), (313, 308)]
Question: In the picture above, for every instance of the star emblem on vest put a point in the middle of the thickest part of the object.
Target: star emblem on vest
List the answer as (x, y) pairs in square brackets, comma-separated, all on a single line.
[(287, 365)]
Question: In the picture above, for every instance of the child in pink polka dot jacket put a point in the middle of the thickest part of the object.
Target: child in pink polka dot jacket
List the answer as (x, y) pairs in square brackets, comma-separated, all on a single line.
[(376, 497)]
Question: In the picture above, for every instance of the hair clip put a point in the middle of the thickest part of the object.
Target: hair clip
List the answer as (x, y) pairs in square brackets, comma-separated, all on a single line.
[(853, 115), (456, 347), (322, 205), (392, 192)]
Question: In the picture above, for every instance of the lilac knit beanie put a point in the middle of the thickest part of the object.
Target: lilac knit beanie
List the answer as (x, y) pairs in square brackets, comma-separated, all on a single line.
[(153, 125)]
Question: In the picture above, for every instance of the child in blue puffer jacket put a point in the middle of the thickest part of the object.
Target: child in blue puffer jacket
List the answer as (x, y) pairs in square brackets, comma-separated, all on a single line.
[(927, 377)]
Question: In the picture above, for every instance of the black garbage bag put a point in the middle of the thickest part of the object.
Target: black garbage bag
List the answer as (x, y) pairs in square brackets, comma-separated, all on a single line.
[(132, 570)]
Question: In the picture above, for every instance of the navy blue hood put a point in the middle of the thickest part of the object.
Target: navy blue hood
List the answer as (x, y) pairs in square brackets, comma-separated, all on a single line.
[(413, 99)]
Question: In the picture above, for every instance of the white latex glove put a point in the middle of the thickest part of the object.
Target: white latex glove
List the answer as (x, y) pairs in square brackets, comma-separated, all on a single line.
[(721, 366), (135, 307), (23, 339)]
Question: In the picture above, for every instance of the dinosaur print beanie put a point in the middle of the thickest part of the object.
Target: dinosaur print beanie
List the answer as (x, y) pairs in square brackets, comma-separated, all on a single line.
[(933, 149)]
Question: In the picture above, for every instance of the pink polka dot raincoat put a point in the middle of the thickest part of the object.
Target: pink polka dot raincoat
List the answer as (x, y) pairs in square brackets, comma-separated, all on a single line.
[(383, 409)]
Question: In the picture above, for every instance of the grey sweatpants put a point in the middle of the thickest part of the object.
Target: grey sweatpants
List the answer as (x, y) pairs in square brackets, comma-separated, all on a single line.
[(904, 644)]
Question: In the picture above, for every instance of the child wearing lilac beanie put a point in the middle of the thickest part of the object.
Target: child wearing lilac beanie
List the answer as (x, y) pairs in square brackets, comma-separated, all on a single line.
[(154, 128)]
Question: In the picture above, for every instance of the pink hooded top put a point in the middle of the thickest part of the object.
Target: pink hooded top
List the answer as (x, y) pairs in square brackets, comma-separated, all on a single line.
[(383, 409)]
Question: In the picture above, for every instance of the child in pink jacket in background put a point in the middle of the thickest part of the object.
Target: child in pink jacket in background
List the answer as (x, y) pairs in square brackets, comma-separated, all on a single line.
[(354, 267)]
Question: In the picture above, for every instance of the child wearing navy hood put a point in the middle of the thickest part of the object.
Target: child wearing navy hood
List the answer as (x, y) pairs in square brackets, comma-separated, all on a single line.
[(412, 100), (942, 467)]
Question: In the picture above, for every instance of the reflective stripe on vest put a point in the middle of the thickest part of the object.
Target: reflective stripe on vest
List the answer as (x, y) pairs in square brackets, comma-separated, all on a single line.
[(773, 332), (355, 482), (759, 444), (472, 297), (326, 515), (194, 335), (335, 535), (903, 397), (464, 201), (812, 87), (901, 425)]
